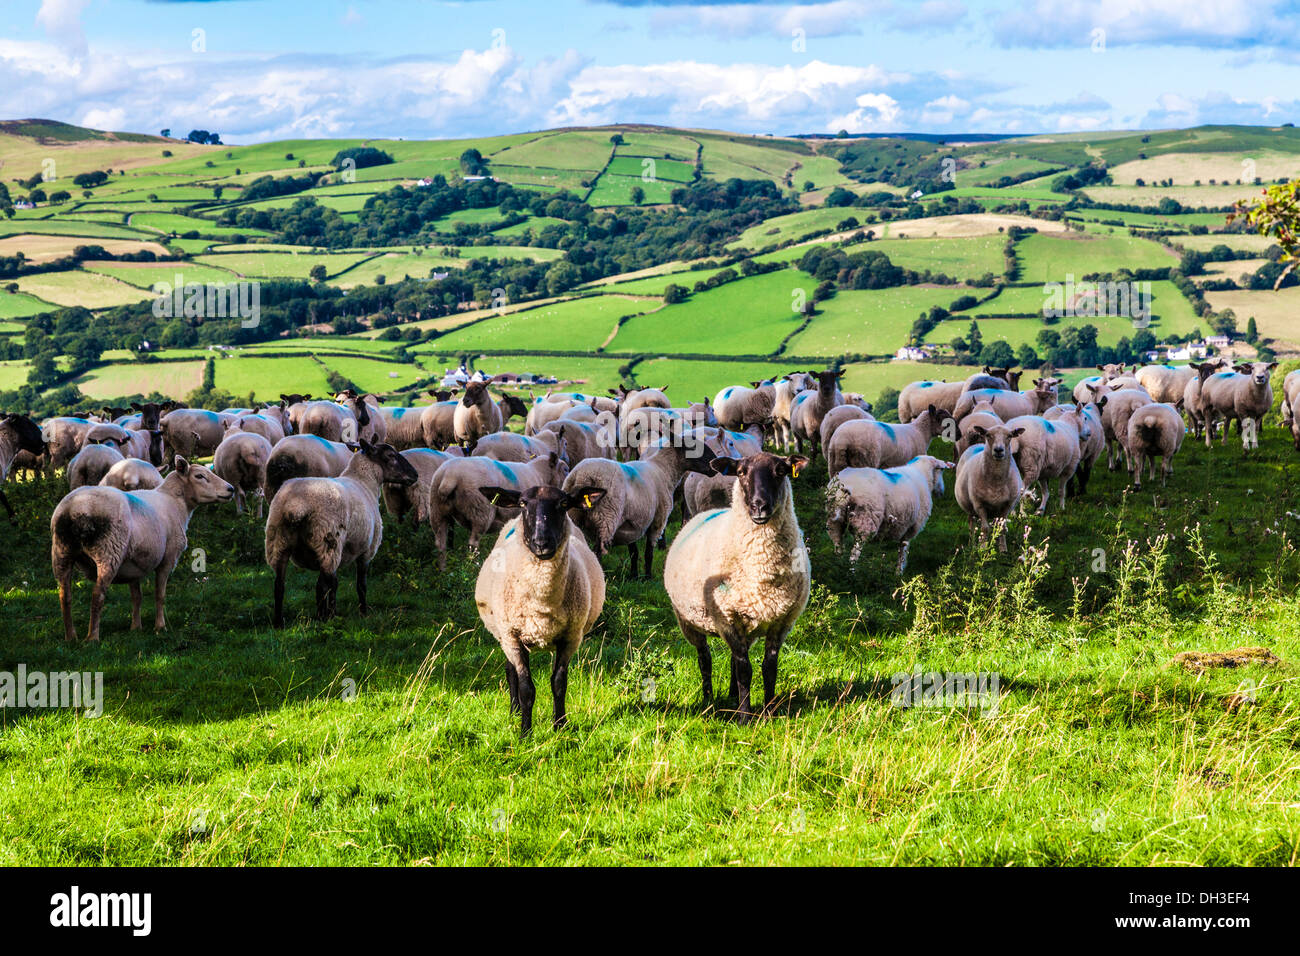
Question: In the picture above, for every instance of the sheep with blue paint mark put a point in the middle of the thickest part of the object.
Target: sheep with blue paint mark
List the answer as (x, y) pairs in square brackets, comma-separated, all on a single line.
[(455, 495), (891, 504), (988, 484), (873, 444), (304, 456), (1049, 450)]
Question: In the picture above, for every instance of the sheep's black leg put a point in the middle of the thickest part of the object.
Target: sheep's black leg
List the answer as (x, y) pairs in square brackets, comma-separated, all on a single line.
[(706, 672), (526, 694), (771, 652), (632, 553), (512, 684), (744, 677), (277, 615), (326, 588), (8, 507), (732, 691), (560, 682), (361, 586), (648, 571)]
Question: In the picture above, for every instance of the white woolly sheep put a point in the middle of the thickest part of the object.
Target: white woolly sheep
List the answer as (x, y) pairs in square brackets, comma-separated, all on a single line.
[(1155, 431), (892, 504), (1165, 383), (304, 456), (742, 573), (1049, 449), (540, 589), (402, 499), (91, 464), (132, 474), (324, 524), (1243, 396), (241, 459), (116, 537), (988, 482), (837, 416), (809, 408), (873, 444)]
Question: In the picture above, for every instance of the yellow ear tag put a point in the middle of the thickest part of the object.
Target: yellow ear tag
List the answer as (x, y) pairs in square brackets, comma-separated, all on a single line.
[(795, 468), (586, 501)]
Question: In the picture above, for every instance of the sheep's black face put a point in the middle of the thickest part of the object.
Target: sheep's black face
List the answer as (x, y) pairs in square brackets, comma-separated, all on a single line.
[(546, 511), (760, 480), (394, 468), (474, 393), (150, 413), (155, 448), (826, 381), (29, 433)]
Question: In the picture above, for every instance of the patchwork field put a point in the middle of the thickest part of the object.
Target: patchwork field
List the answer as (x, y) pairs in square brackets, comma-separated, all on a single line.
[(80, 288), (581, 324)]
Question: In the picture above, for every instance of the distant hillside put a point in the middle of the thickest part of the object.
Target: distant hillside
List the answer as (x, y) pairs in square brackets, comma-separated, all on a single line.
[(53, 132)]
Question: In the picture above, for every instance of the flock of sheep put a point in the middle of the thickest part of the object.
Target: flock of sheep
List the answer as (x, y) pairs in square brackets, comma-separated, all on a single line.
[(590, 473)]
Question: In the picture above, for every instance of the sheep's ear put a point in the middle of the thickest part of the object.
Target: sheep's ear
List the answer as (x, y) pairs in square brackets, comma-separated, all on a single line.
[(135, 406), (1101, 368), (1101, 401), (754, 384), (724, 466), (797, 464), (586, 497), (352, 446), (1016, 433), (501, 497), (1272, 365), (182, 465), (979, 431)]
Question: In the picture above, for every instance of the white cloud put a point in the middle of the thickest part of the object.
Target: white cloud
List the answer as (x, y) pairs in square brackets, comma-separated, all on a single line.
[(944, 110), (1205, 23), (876, 113), (61, 20)]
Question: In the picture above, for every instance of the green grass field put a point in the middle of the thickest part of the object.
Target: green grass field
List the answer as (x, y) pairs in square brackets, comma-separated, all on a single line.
[(580, 324), (876, 321), (1051, 258), (131, 378)]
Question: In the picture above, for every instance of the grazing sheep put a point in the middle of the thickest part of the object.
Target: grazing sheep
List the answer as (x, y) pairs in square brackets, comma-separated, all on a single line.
[(786, 390), (742, 573), (18, 435), (737, 405), (873, 444), (809, 408), (1049, 449), (304, 456), (1243, 395), (241, 459), (988, 483), (510, 446), (1092, 441), (837, 416), (1165, 383), (1115, 414), (1006, 403), (257, 424), (91, 464), (916, 397), (132, 474), (886, 505), (401, 499), (639, 497), (540, 589), (1155, 431), (323, 524), (191, 432), (1003, 378), (455, 494), (405, 429), (118, 537)]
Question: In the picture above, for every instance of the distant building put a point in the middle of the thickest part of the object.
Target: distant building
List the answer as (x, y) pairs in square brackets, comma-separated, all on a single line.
[(1218, 341), (424, 182), (914, 353), (24, 204), (479, 179)]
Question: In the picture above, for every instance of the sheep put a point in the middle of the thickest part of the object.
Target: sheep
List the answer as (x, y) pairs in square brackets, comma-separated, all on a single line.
[(582, 439), (371, 424), (873, 444), (401, 500), (1006, 403), (510, 446), (328, 420), (1192, 393), (1115, 414), (988, 482), (90, 464), (1003, 378), (1290, 398), (581, 413), (241, 459), (1243, 395), (18, 435), (702, 492), (118, 537), (1155, 431), (648, 425), (404, 427), (629, 400), (981, 413), (888, 505), (476, 415), (438, 424), (324, 524), (697, 414), (809, 408), (601, 402), (916, 397), (1165, 383), (258, 424), (1082, 391), (304, 456), (64, 436), (786, 390), (132, 474), (191, 432), (294, 406), (1049, 449), (639, 497), (1092, 441), (540, 589), (837, 416), (455, 495), (736, 405), (742, 573)]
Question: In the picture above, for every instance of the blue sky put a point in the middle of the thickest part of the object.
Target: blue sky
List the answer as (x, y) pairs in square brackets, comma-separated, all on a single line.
[(255, 70)]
